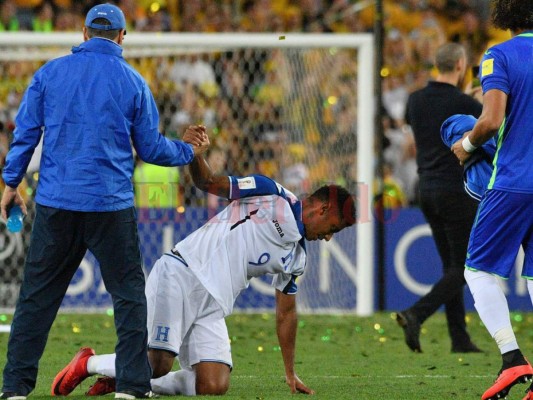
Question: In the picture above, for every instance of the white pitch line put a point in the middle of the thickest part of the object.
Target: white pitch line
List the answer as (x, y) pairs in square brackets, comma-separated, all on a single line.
[(438, 376), (376, 376)]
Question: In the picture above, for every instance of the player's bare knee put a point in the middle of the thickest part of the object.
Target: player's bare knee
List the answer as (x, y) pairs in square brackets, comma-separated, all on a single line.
[(212, 378), (160, 370), (161, 362), (212, 386)]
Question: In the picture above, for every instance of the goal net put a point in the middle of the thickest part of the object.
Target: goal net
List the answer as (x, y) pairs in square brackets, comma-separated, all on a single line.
[(298, 108)]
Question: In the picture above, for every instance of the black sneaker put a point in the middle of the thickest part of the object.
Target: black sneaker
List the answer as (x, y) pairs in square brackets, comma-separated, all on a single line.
[(411, 329), (132, 394), (12, 396), (466, 348)]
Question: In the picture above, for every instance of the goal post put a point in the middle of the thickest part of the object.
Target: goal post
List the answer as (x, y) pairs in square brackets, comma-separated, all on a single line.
[(313, 95)]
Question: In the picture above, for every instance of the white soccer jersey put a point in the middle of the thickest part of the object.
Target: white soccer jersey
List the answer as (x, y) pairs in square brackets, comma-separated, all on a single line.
[(259, 233)]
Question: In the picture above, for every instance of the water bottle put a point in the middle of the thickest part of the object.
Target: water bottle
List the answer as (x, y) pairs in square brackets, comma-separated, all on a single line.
[(14, 220)]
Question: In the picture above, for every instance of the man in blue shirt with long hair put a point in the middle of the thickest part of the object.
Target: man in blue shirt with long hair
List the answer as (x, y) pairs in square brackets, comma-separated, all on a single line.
[(89, 107), (505, 214)]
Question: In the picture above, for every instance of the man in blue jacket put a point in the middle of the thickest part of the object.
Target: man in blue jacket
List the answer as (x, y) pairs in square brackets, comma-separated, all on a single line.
[(90, 107)]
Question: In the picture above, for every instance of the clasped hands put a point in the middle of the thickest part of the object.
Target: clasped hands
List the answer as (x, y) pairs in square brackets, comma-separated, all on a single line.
[(197, 136)]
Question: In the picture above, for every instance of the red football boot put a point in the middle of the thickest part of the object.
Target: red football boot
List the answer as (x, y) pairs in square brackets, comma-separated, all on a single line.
[(73, 374), (103, 385), (506, 380)]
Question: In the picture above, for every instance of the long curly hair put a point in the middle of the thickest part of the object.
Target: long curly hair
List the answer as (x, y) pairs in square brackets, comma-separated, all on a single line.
[(512, 14)]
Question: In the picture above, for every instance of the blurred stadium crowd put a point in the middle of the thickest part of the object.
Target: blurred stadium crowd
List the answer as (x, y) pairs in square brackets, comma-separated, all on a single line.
[(238, 95)]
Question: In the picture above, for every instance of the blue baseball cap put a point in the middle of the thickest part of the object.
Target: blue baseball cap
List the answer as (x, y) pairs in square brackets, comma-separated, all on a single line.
[(108, 11)]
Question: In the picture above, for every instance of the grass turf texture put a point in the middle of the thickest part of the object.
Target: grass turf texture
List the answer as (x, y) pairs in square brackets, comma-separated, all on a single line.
[(340, 357)]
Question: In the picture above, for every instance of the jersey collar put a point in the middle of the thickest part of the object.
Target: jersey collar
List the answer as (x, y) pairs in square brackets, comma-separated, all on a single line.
[(297, 211), (99, 45), (296, 208)]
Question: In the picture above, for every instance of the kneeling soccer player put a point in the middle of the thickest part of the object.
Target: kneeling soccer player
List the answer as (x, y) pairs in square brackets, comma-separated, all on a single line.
[(193, 287)]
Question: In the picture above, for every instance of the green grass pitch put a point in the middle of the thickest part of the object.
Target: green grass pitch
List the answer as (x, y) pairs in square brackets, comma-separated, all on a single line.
[(340, 357)]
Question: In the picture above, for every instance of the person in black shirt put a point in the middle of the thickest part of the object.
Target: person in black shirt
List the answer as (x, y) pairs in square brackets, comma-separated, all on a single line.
[(449, 211)]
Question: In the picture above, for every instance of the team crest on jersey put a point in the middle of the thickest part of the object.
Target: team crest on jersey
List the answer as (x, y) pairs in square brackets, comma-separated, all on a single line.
[(162, 333), (246, 183), (487, 67)]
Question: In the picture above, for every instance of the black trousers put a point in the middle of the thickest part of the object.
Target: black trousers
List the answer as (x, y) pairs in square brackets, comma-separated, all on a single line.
[(450, 216), (58, 244)]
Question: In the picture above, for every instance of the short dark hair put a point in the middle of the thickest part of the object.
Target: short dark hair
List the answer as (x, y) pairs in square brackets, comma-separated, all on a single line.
[(339, 198), (447, 56), (512, 14), (110, 34)]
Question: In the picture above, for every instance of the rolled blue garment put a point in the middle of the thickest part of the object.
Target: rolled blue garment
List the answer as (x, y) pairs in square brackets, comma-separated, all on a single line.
[(478, 169)]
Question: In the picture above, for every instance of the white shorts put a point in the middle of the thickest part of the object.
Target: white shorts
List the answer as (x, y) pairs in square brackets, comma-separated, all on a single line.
[(183, 317)]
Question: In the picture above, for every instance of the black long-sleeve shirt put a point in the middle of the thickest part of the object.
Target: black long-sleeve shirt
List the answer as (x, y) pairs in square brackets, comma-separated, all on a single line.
[(427, 109)]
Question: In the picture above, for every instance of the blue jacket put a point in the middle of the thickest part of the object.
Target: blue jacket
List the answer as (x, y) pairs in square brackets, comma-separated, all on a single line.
[(478, 169), (91, 106)]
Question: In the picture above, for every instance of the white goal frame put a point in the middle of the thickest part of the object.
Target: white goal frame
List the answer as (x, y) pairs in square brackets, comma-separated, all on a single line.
[(13, 46)]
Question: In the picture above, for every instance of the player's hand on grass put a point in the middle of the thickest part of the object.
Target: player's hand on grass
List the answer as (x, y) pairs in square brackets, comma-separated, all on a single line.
[(297, 386)]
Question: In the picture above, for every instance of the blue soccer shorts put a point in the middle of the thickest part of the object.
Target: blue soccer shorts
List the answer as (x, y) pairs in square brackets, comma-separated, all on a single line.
[(504, 221)]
